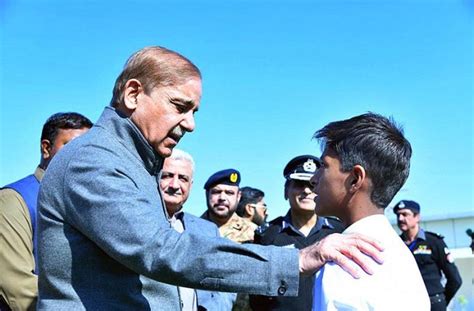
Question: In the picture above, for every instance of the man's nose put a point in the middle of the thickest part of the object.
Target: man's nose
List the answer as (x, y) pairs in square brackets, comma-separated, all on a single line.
[(174, 183), (188, 122), (308, 189)]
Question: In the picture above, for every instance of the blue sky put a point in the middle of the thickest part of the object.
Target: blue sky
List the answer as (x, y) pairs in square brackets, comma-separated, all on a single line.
[(273, 73)]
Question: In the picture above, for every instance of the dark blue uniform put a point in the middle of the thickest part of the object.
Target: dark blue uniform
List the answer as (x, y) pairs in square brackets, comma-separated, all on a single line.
[(281, 232), (432, 256)]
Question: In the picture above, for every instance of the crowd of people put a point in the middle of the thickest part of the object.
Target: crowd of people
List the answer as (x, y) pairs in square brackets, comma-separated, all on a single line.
[(106, 226)]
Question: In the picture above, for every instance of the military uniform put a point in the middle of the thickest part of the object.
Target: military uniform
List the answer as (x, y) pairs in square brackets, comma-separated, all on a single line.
[(281, 232), (237, 229), (432, 256)]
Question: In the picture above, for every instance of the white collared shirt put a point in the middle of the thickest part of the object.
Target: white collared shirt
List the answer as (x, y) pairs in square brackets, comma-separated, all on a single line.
[(395, 285)]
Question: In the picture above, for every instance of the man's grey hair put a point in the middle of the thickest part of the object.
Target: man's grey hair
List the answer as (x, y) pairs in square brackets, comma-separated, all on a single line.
[(178, 154)]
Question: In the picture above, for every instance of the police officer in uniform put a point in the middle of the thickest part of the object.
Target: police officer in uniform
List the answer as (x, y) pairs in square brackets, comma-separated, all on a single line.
[(299, 228), (431, 254)]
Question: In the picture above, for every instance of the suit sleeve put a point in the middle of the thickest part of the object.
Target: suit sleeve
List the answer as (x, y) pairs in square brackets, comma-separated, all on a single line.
[(18, 283), (104, 198), (450, 271)]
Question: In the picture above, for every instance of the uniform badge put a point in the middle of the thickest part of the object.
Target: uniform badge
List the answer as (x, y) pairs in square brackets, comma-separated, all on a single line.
[(422, 250), (449, 257), (233, 177), (401, 205), (309, 166)]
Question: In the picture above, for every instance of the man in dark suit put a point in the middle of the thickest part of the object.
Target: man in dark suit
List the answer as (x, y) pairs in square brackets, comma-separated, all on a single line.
[(175, 184)]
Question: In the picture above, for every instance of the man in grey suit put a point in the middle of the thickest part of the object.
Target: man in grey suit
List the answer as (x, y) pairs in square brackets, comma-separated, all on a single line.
[(104, 238), (175, 184)]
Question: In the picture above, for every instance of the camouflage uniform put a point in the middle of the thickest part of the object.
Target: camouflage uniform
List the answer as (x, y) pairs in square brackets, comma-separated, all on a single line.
[(237, 229)]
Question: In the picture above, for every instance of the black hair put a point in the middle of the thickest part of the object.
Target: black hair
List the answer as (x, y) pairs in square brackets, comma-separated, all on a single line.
[(65, 121), (248, 195), (377, 144)]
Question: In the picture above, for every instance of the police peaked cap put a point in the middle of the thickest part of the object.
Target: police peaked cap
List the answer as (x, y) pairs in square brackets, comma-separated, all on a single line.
[(226, 177), (411, 205), (302, 167)]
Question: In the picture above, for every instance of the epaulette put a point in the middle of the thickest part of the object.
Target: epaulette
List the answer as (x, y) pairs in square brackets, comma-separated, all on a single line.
[(437, 235), (335, 222)]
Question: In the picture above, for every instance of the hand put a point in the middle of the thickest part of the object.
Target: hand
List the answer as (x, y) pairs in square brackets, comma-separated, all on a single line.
[(349, 251)]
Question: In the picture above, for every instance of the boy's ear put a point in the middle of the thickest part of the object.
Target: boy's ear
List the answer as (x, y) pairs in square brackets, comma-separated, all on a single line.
[(46, 149), (358, 177)]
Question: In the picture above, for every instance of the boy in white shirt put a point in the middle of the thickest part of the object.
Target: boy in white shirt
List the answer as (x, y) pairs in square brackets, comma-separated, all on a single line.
[(365, 161)]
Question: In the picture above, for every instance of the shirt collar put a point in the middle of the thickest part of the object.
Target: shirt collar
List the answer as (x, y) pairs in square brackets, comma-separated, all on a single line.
[(39, 173), (131, 138), (420, 236)]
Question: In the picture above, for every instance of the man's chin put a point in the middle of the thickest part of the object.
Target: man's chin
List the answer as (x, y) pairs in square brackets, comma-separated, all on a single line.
[(165, 151), (221, 215)]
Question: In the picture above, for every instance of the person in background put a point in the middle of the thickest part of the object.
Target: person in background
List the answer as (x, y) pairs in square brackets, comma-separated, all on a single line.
[(175, 184), (100, 204), (431, 254), (18, 279), (222, 197), (252, 205), (365, 162), (299, 228), (470, 233)]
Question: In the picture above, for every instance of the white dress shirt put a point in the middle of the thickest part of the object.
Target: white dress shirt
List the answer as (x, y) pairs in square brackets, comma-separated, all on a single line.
[(395, 285)]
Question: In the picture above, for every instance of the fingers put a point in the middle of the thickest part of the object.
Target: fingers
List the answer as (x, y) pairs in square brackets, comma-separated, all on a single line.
[(368, 246), (368, 240), (348, 265), (360, 260)]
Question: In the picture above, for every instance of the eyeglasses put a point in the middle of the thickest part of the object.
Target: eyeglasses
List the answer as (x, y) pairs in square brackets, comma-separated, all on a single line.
[(264, 206)]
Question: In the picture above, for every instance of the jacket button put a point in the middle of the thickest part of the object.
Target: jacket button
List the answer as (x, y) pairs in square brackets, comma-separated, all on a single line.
[(282, 288)]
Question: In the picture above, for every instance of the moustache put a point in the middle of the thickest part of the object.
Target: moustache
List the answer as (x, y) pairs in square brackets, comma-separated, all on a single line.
[(171, 191), (177, 133)]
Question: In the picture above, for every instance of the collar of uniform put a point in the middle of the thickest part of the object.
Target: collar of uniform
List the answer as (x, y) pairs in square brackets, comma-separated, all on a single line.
[(131, 138), (39, 173), (321, 222), (420, 236)]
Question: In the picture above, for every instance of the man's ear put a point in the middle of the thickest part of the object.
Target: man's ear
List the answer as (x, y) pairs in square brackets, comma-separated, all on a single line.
[(46, 149), (357, 178), (249, 210), (132, 89)]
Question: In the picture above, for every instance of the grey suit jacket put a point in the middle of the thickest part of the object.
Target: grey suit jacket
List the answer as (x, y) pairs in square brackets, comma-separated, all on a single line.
[(104, 241), (209, 300)]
